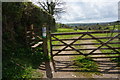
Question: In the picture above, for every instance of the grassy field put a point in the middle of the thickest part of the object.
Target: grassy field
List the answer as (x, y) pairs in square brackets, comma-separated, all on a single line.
[(65, 30)]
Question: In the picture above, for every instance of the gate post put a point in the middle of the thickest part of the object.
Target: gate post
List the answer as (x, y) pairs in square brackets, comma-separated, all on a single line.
[(51, 52), (45, 51)]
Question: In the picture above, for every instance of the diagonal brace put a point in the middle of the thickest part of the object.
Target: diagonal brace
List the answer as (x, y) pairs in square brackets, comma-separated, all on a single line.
[(68, 45), (103, 44)]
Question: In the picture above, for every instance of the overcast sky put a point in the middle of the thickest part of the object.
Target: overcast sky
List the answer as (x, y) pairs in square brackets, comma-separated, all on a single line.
[(90, 11)]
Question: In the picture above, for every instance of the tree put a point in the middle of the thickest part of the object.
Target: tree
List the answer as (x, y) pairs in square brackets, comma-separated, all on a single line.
[(53, 7)]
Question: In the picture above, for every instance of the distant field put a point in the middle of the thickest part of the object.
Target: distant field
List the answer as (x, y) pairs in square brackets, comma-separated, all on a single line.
[(62, 30)]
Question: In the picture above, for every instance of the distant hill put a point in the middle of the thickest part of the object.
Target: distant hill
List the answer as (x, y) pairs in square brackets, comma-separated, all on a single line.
[(89, 24), (92, 26)]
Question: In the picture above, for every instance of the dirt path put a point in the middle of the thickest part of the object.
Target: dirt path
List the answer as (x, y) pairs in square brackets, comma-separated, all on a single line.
[(65, 68)]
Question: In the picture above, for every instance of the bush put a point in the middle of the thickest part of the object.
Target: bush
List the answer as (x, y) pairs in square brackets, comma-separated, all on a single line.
[(18, 59), (22, 63)]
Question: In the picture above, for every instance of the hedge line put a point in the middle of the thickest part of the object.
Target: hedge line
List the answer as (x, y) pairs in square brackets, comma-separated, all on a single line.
[(16, 17)]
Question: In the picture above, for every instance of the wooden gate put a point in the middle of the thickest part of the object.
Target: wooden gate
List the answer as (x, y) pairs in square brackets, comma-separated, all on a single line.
[(101, 39)]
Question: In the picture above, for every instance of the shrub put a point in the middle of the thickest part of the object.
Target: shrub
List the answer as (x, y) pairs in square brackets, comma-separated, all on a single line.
[(22, 63)]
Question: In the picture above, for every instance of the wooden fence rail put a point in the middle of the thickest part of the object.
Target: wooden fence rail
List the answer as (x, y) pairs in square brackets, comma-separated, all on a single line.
[(95, 32)]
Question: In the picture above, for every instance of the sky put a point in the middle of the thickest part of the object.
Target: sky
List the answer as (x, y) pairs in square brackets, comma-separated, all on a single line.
[(89, 11)]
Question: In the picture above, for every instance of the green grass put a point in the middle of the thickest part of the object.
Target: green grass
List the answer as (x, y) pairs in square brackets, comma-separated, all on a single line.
[(86, 64), (63, 30)]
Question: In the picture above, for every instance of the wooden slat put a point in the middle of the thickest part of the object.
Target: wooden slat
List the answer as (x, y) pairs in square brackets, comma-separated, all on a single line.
[(28, 32), (86, 53), (36, 45), (106, 57), (105, 53), (85, 49), (84, 38), (95, 32), (86, 44), (66, 54)]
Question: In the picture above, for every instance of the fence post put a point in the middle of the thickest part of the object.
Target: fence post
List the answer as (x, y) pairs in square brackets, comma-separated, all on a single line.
[(45, 50), (51, 53)]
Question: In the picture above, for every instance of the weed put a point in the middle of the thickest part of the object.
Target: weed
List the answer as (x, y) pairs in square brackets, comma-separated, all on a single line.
[(86, 64)]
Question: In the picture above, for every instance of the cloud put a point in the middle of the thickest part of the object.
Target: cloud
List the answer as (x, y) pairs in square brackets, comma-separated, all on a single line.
[(91, 1), (90, 11)]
